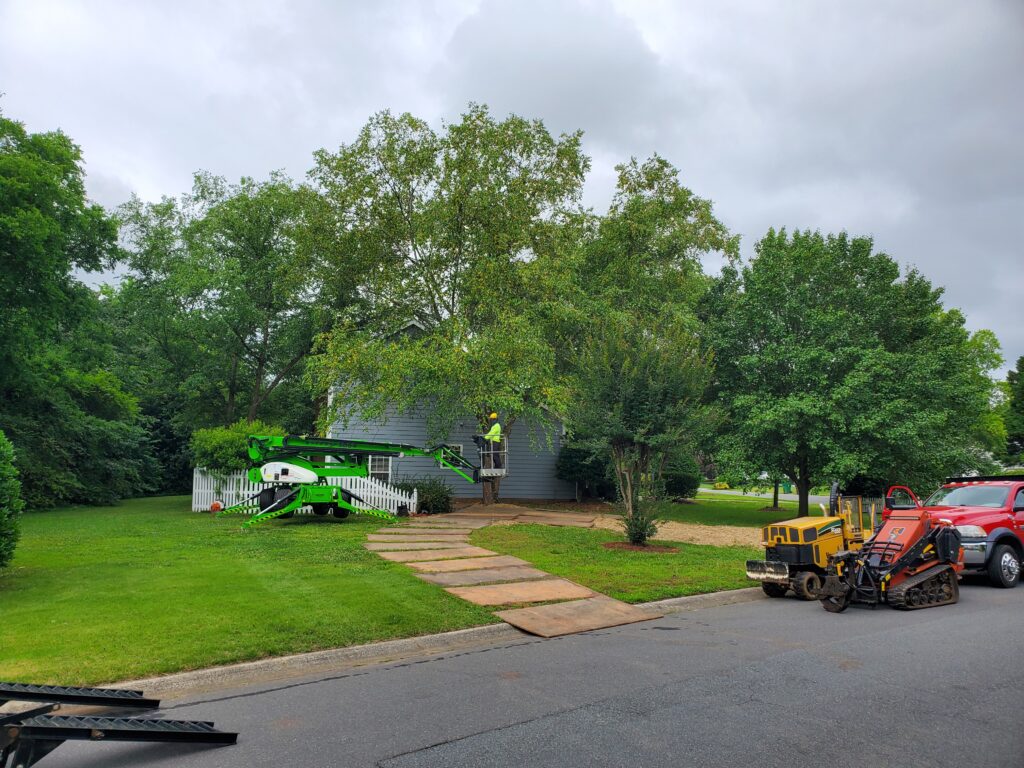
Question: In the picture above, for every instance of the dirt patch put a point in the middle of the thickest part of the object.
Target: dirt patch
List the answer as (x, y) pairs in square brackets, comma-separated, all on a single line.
[(652, 548), (694, 533), (771, 509)]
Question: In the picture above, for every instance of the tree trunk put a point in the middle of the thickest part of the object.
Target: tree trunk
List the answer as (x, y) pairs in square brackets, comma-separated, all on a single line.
[(803, 487), (775, 497)]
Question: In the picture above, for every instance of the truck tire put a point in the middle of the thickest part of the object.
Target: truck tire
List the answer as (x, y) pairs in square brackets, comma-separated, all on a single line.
[(772, 589), (806, 585), (1004, 567)]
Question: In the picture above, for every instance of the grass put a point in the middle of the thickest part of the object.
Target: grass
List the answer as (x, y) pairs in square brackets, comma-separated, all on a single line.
[(719, 509), (577, 554), (148, 587)]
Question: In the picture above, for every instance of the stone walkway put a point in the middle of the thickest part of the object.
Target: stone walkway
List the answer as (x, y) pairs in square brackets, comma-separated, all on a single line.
[(439, 548)]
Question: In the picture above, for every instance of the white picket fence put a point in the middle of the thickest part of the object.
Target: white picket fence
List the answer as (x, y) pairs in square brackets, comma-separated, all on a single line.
[(235, 487)]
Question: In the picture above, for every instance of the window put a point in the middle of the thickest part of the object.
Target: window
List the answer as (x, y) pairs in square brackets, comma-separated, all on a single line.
[(1018, 503), (993, 496), (380, 468)]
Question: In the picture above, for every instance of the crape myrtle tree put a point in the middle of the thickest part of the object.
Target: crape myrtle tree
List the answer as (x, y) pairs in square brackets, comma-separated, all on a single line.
[(639, 398), (640, 373), (455, 235), (832, 365)]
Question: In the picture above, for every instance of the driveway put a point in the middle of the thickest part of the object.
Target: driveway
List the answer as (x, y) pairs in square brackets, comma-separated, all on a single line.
[(767, 683)]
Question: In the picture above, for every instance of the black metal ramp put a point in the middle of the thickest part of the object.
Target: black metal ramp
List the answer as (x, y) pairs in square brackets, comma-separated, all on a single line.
[(28, 737), (59, 694)]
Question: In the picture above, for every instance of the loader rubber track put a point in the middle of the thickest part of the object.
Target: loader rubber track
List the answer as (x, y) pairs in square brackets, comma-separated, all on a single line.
[(936, 586)]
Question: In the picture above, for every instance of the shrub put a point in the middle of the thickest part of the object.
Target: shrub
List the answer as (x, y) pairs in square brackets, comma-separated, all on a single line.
[(435, 497), (10, 501), (681, 477), (222, 450), (591, 473), (640, 525)]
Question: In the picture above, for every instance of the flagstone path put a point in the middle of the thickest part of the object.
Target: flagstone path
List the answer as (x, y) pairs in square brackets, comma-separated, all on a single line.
[(438, 547)]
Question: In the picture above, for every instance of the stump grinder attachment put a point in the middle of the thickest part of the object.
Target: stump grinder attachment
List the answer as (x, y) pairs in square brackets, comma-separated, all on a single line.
[(913, 561), (27, 737)]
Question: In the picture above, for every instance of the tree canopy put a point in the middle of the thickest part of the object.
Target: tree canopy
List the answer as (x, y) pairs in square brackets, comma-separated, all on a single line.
[(833, 365)]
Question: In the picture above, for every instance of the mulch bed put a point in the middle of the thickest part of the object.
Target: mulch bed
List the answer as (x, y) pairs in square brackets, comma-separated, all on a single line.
[(656, 549)]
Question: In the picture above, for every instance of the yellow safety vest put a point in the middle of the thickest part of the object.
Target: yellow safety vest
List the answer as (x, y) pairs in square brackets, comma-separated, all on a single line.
[(495, 434)]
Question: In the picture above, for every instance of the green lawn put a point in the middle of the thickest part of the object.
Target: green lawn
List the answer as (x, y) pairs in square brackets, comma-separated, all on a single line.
[(719, 509), (578, 554), (147, 587)]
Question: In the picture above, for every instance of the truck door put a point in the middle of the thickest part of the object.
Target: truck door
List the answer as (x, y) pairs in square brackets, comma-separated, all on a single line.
[(1018, 512)]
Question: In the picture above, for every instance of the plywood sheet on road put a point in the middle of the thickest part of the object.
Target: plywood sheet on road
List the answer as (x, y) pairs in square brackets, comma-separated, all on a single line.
[(575, 616), (522, 592), (407, 556), (440, 539), (484, 576), (384, 546), (469, 564)]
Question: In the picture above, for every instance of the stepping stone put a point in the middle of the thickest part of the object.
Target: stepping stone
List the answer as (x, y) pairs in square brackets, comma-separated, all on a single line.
[(422, 537), (473, 563), (468, 522), (522, 592), (435, 554), (576, 616), (422, 530), (482, 575), (384, 546)]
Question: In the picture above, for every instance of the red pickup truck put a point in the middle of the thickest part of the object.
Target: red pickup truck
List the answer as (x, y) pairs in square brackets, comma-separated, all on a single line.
[(988, 512)]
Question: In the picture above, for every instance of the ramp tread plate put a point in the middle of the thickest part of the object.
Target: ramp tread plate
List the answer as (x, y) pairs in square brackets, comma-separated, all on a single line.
[(75, 695)]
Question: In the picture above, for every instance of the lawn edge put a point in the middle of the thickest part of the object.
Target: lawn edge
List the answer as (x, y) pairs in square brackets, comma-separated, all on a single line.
[(249, 673)]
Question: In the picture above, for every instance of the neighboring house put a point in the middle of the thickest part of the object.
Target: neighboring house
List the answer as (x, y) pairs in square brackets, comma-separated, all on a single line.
[(531, 459)]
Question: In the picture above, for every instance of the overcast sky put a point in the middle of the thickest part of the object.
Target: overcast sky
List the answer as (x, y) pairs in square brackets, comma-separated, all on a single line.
[(901, 119)]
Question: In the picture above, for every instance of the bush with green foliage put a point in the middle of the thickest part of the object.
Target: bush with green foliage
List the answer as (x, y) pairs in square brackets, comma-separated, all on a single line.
[(10, 501), (223, 450), (641, 525), (434, 497), (681, 476), (592, 473)]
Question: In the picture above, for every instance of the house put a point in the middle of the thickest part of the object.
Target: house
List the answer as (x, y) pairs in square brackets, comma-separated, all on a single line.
[(531, 457)]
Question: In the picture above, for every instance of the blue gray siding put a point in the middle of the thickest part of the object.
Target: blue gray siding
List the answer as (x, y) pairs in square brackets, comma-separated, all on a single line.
[(531, 470)]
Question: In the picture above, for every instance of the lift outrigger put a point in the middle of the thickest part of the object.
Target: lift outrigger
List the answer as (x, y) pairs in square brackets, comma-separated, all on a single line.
[(295, 471)]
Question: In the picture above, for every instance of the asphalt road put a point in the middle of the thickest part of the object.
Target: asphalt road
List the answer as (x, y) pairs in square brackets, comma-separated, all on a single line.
[(767, 683)]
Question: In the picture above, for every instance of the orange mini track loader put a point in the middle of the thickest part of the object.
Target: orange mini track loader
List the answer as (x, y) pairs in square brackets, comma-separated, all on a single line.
[(913, 561)]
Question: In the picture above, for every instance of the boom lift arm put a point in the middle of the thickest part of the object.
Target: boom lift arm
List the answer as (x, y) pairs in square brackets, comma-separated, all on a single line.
[(296, 469)]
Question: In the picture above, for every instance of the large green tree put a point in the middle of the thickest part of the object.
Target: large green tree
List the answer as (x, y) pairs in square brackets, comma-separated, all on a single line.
[(832, 365), (220, 307), (77, 433), (451, 232), (1013, 413)]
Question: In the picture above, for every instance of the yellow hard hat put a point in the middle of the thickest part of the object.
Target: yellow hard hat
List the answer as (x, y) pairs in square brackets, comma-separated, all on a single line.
[(494, 415)]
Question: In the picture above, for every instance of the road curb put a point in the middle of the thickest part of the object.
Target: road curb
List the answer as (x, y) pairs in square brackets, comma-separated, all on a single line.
[(250, 673), (710, 600), (245, 674)]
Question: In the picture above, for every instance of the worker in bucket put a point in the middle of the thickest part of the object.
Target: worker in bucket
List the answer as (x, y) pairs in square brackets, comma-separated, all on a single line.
[(488, 444)]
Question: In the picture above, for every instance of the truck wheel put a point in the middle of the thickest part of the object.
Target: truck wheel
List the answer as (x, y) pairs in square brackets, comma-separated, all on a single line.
[(340, 513), (806, 585), (772, 589), (1004, 567)]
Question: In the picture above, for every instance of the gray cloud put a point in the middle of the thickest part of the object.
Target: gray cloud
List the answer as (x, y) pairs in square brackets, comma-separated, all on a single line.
[(895, 118)]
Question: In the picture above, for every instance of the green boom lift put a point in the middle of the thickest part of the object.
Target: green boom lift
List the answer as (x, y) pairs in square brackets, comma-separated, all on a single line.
[(295, 471)]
